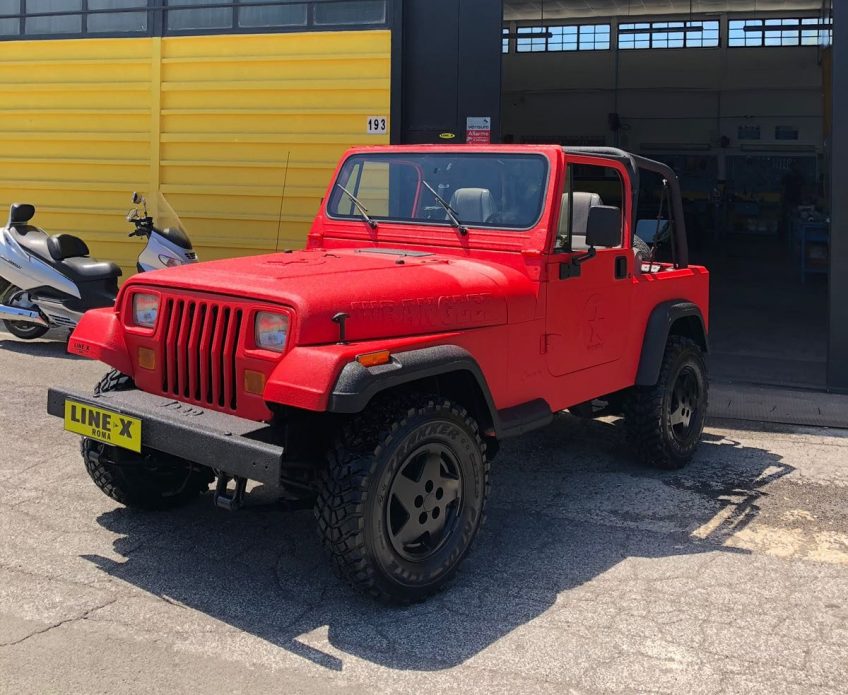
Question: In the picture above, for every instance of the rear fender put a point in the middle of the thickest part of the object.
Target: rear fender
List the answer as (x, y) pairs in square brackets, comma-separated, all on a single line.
[(678, 317), (100, 336)]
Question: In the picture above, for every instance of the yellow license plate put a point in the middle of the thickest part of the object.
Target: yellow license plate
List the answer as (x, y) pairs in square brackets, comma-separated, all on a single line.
[(103, 425)]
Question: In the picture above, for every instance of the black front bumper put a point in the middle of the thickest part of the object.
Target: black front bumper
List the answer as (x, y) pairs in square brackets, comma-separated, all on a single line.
[(227, 443)]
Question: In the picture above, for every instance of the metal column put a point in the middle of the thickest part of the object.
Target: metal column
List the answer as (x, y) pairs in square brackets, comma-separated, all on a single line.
[(837, 359)]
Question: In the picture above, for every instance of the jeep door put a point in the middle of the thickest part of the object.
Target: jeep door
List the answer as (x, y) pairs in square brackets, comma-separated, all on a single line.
[(588, 298)]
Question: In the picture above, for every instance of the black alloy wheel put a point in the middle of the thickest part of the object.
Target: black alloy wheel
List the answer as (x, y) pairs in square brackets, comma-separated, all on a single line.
[(684, 405), (425, 502)]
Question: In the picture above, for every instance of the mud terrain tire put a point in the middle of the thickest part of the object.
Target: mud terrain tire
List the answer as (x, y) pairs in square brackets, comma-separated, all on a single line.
[(664, 422), (403, 496), (150, 480)]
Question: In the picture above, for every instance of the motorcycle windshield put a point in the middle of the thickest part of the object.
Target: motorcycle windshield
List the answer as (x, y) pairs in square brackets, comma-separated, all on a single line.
[(164, 216)]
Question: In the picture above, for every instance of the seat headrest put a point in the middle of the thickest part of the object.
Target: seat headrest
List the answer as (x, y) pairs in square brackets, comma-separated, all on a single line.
[(580, 219), (583, 201), (62, 246), (473, 205), (20, 213)]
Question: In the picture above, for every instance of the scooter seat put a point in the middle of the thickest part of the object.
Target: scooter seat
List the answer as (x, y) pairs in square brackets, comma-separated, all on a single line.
[(85, 269), (70, 255), (32, 239), (62, 246)]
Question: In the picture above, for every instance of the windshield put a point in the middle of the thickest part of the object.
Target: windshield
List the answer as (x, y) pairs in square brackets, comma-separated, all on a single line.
[(497, 191), (164, 216)]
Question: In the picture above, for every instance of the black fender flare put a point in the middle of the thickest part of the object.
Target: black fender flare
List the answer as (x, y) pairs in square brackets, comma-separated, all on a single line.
[(357, 385), (660, 324)]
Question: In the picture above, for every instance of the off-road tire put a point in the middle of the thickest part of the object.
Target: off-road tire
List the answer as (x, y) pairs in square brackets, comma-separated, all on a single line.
[(641, 246), (113, 380), (649, 410), (357, 504), (21, 329), (150, 480)]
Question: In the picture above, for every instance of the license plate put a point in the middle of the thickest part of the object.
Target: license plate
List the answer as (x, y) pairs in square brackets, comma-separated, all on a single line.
[(103, 425)]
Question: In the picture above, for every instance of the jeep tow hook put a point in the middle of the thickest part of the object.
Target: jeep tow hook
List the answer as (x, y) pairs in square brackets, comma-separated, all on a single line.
[(231, 499)]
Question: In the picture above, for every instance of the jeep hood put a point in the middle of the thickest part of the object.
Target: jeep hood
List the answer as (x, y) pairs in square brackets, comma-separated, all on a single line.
[(386, 293)]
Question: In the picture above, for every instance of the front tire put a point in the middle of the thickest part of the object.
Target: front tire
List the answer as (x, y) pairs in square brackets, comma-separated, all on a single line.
[(150, 480), (664, 422), (403, 497)]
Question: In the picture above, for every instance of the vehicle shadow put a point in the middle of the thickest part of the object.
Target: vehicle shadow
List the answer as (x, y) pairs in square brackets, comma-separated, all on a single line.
[(38, 348), (567, 506)]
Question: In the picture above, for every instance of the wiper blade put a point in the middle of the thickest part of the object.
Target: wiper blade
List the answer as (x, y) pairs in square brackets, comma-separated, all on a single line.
[(461, 228), (359, 206)]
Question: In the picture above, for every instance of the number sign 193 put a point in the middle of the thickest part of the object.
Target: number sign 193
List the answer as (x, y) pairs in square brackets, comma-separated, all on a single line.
[(377, 125)]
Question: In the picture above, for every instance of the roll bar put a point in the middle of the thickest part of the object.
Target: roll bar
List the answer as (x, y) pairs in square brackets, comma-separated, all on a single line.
[(634, 164)]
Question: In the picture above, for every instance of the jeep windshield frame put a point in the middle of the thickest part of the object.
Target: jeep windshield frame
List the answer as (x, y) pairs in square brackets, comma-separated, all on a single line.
[(489, 191)]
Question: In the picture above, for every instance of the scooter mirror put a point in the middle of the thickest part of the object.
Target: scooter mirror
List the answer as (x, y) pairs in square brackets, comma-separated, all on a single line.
[(136, 198), (132, 215)]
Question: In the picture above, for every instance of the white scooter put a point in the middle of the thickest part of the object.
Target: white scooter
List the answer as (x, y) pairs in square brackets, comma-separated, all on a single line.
[(51, 281)]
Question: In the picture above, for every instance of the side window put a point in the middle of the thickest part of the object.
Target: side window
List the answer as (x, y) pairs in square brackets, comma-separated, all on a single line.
[(586, 186)]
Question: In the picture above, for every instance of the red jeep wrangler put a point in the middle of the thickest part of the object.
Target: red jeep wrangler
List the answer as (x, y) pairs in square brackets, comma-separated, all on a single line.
[(448, 297)]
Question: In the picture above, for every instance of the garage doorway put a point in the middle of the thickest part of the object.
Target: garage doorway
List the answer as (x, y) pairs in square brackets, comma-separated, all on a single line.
[(732, 95)]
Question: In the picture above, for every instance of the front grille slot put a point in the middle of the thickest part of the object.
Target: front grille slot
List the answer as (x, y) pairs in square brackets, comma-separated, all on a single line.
[(200, 342)]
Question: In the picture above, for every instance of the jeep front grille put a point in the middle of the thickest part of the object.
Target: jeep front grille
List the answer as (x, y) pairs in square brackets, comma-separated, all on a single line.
[(200, 340)]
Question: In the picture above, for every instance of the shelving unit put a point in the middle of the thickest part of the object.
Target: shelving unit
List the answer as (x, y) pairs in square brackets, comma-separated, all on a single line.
[(812, 244)]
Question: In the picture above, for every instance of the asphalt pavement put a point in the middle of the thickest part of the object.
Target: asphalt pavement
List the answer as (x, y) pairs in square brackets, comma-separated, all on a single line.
[(592, 574)]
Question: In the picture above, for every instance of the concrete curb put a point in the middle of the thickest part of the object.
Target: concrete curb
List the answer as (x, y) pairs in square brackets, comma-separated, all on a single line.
[(778, 405)]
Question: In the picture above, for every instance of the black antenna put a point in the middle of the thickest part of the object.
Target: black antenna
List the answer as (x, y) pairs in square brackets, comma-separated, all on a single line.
[(282, 198)]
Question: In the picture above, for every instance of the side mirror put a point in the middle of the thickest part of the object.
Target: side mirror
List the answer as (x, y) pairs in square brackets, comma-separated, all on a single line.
[(136, 198), (603, 227)]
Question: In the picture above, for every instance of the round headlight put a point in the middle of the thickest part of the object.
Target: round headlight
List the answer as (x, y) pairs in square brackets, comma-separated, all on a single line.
[(145, 309), (271, 331)]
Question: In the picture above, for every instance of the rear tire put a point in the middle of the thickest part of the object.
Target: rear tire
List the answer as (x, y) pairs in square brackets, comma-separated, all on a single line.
[(150, 480), (641, 247), (403, 497), (20, 329), (664, 422)]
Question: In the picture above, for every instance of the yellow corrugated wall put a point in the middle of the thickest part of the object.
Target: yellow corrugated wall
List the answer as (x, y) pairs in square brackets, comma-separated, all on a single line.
[(222, 125)]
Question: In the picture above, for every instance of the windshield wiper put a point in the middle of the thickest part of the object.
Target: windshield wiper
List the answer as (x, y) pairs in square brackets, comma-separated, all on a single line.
[(461, 228), (359, 206)]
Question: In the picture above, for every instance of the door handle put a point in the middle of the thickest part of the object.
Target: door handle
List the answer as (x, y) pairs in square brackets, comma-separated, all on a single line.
[(620, 267)]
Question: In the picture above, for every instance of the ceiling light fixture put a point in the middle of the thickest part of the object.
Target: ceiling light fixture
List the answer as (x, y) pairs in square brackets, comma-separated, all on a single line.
[(531, 32)]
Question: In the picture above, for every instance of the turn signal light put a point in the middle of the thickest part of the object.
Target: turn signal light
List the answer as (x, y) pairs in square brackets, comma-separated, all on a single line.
[(254, 382), (146, 358), (374, 359)]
